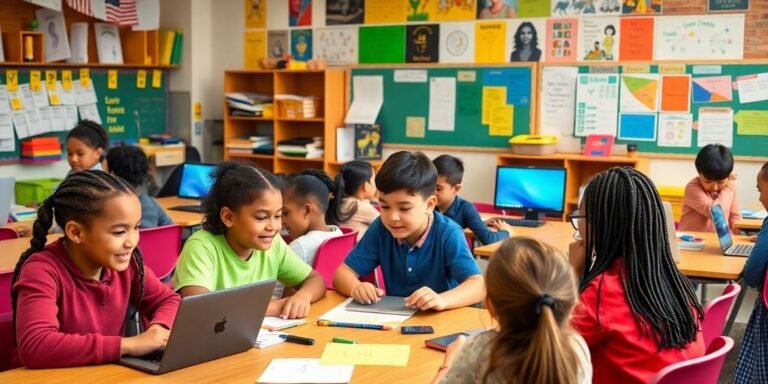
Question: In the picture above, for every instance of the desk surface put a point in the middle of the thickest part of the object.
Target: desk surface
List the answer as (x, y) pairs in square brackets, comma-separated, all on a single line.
[(12, 250), (246, 367), (749, 224), (185, 219)]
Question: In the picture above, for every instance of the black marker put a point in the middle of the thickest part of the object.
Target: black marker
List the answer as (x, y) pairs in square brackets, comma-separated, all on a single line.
[(298, 339)]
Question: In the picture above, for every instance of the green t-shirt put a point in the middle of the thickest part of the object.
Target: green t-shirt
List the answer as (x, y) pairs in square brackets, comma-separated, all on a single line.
[(208, 261)]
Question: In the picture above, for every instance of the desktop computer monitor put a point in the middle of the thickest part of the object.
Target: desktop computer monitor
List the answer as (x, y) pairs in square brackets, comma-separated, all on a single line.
[(196, 180), (532, 189)]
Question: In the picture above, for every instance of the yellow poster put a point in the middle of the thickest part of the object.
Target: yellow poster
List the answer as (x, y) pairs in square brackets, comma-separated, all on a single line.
[(157, 78), (385, 11), (66, 79), (141, 79), (415, 126), (50, 79), (501, 120), (12, 80), (85, 77), (492, 97), (254, 48), (452, 10), (255, 14), (490, 38), (34, 81), (112, 79), (753, 123)]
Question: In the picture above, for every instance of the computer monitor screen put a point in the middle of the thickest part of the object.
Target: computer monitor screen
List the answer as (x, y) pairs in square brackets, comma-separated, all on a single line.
[(196, 180), (530, 188)]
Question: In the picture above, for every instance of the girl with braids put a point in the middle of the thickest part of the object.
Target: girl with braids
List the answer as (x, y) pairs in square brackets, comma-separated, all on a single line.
[(240, 243), (70, 297), (638, 313), (752, 365), (86, 143), (531, 292), (357, 187)]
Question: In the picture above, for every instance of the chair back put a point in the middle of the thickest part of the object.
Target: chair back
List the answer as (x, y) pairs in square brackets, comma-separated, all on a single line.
[(7, 348), (488, 208), (716, 313), (8, 233), (701, 370), (160, 247), (5, 291), (332, 253), (764, 291)]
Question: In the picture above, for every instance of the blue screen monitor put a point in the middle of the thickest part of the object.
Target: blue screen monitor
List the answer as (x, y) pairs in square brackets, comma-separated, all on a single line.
[(196, 180), (533, 189)]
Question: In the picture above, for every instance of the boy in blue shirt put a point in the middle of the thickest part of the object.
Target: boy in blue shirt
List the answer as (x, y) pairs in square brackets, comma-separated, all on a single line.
[(450, 172), (423, 254)]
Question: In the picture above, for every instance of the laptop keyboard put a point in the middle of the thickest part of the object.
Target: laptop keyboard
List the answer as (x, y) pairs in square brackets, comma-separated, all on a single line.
[(196, 208), (154, 357), (741, 249)]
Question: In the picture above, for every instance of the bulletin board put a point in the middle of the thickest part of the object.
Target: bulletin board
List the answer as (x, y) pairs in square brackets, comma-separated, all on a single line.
[(409, 99)]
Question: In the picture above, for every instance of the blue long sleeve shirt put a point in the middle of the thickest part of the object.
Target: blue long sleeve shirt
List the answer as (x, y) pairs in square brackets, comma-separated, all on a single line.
[(465, 214), (754, 269)]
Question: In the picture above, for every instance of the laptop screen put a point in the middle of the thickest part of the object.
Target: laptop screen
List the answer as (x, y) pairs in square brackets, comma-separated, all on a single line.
[(196, 180), (721, 226)]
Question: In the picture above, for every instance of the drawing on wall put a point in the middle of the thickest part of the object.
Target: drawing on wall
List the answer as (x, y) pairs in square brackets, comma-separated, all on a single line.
[(639, 92), (277, 44), (449, 10), (598, 38), (422, 43), (457, 42), (700, 37), (417, 10), (336, 45), (344, 12), (496, 9), (526, 40), (641, 6), (299, 13), (562, 35), (255, 14), (55, 32), (585, 7), (301, 44)]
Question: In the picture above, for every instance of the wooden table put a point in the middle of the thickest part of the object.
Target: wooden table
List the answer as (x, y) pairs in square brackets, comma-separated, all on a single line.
[(246, 367), (749, 225), (12, 250), (185, 219)]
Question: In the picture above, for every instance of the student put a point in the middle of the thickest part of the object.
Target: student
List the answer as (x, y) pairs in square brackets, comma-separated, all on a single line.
[(450, 172), (531, 292), (638, 313), (714, 185), (356, 181), (240, 243), (70, 297), (131, 164), (86, 143), (753, 356), (423, 254)]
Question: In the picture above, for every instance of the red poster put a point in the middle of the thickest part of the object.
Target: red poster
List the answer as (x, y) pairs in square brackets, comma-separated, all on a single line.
[(636, 39)]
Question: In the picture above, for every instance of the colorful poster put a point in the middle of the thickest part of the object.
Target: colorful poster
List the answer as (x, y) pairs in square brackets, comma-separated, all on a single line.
[(516, 80), (336, 45), (675, 93), (490, 42), (301, 44), (558, 98), (457, 42), (255, 48), (700, 37), (382, 45), (715, 127), (562, 35), (754, 123), (344, 12), (385, 11), (533, 8), (597, 104), (635, 7), (636, 42), (452, 10), (422, 43), (713, 89), (526, 39), (675, 129), (639, 92), (255, 14), (495, 9), (585, 7), (299, 13), (417, 10), (637, 126), (598, 38), (278, 44)]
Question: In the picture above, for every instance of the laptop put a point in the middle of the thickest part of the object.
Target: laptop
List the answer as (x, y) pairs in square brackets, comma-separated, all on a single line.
[(6, 196), (669, 220), (196, 181), (724, 234), (210, 326)]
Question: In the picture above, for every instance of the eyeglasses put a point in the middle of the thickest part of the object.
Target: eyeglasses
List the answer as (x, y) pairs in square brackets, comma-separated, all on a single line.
[(574, 217)]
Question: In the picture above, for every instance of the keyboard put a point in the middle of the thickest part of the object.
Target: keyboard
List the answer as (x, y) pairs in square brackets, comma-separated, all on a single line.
[(741, 249), (195, 208), (154, 357), (521, 222)]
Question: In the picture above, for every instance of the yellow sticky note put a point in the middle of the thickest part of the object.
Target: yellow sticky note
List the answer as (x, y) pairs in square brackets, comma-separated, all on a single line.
[(492, 97), (34, 80), (753, 123), (85, 77), (490, 40), (112, 79), (16, 103), (12, 80), (66, 80), (415, 126), (50, 79), (366, 354), (53, 98), (157, 78), (197, 111), (501, 120), (141, 79)]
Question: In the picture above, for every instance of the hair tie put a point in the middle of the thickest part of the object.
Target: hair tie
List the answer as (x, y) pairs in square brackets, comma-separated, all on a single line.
[(544, 299)]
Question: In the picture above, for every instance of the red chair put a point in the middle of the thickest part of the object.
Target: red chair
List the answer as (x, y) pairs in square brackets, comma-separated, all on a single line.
[(701, 370), (160, 247), (332, 253), (716, 313), (5, 291), (6, 341), (8, 233), (488, 208)]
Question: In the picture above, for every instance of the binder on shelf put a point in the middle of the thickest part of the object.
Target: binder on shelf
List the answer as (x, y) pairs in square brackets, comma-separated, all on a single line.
[(367, 141)]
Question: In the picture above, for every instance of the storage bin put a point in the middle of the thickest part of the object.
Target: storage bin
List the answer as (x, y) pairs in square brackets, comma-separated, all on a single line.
[(674, 195), (35, 191)]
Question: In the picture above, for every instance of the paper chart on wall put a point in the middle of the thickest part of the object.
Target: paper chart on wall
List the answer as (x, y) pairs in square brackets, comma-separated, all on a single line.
[(558, 97), (636, 41), (753, 88), (712, 89), (700, 37), (637, 126), (442, 103), (675, 93), (639, 92), (597, 104), (562, 35), (336, 45), (599, 38), (561, 8), (715, 126), (490, 39), (675, 129), (457, 42)]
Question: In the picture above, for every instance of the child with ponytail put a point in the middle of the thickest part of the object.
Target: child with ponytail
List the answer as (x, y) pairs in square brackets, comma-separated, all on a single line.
[(70, 297), (531, 292), (86, 143), (356, 180)]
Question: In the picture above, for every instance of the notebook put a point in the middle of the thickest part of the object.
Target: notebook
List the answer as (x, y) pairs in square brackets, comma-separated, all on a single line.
[(389, 305), (274, 323)]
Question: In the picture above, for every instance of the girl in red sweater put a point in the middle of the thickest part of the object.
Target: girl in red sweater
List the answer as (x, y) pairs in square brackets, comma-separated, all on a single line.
[(70, 297)]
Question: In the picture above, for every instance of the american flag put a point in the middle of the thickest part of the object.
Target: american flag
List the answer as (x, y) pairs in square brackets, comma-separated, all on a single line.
[(82, 6), (122, 12)]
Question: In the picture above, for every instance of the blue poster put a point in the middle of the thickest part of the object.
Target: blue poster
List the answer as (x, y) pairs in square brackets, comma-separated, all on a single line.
[(637, 126), (517, 81), (301, 44)]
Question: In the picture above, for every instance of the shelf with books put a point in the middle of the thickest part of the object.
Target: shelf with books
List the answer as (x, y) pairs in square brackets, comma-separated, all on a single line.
[(249, 156)]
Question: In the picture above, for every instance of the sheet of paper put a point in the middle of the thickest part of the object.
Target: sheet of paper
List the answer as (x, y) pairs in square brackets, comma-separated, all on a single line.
[(492, 97), (21, 124), (636, 43), (368, 97), (288, 371), (59, 118), (675, 93), (71, 119), (84, 95), (639, 92), (597, 104), (502, 118), (337, 45), (637, 126), (415, 126), (254, 49), (6, 126), (558, 98), (46, 118), (442, 103), (50, 4), (715, 126), (539, 29), (490, 39), (699, 37), (5, 101), (345, 144), (340, 314), (148, 12), (7, 145), (599, 39), (753, 88), (55, 34), (752, 122), (67, 96), (99, 9), (385, 11), (366, 354), (381, 44), (563, 35), (89, 112), (457, 42), (40, 97), (566, 7), (78, 41), (712, 89), (410, 76), (36, 124), (675, 129)]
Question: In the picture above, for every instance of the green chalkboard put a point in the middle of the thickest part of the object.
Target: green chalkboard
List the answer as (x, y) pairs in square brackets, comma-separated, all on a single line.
[(127, 112), (411, 99), (743, 145)]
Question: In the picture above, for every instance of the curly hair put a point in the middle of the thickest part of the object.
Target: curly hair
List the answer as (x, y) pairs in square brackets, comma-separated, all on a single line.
[(130, 163)]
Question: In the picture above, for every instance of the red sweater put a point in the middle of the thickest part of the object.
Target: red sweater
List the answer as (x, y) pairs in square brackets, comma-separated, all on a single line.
[(620, 354), (65, 318)]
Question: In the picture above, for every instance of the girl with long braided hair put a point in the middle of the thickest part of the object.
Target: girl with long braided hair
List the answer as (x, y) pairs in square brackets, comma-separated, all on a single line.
[(638, 313), (70, 297)]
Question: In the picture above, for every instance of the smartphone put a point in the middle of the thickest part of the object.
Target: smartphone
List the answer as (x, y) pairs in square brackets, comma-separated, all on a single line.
[(416, 329)]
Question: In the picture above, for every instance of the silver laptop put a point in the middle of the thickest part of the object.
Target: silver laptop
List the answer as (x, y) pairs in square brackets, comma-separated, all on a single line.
[(6, 196), (724, 234), (669, 220), (210, 326)]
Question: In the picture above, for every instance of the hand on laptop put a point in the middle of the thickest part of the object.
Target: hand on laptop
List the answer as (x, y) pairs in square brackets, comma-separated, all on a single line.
[(154, 338), (425, 298), (500, 225), (296, 306), (366, 293)]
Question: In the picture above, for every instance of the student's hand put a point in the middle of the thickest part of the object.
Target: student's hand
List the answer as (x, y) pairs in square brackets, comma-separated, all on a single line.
[(453, 350), (24, 230), (296, 306), (577, 256), (275, 307), (752, 238), (425, 298), (366, 293), (500, 225), (154, 338)]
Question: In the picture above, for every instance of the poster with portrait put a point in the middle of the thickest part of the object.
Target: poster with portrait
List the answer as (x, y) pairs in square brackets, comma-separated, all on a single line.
[(421, 45), (340, 12), (496, 9), (525, 39), (301, 44), (299, 13), (599, 39), (278, 44)]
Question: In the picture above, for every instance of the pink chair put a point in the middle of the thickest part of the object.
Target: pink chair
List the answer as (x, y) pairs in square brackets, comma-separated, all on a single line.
[(488, 208), (160, 247), (8, 233), (332, 253), (701, 370), (765, 288), (716, 313), (6, 341), (5, 291)]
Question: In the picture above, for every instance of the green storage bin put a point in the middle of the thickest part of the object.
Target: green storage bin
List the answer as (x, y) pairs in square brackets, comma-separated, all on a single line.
[(35, 191)]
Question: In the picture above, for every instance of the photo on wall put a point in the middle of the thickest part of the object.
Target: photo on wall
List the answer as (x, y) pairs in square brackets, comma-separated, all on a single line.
[(339, 12), (525, 39), (496, 9)]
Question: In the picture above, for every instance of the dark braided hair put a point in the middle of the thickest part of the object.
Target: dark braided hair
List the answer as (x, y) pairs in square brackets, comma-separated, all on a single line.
[(90, 133), (78, 198), (625, 217), (317, 185)]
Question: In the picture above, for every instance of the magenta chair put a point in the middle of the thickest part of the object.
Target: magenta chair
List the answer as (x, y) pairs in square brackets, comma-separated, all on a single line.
[(6, 341), (8, 233), (160, 247), (716, 313), (765, 289), (701, 370), (5, 291), (332, 253)]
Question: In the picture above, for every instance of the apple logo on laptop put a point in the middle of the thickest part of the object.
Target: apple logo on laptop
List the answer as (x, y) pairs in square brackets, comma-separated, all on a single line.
[(220, 326)]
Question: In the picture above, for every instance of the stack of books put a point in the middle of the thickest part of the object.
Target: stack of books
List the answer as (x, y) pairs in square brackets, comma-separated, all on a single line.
[(22, 213), (253, 145), (249, 104), (311, 148), (170, 47), (296, 107), (41, 150)]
